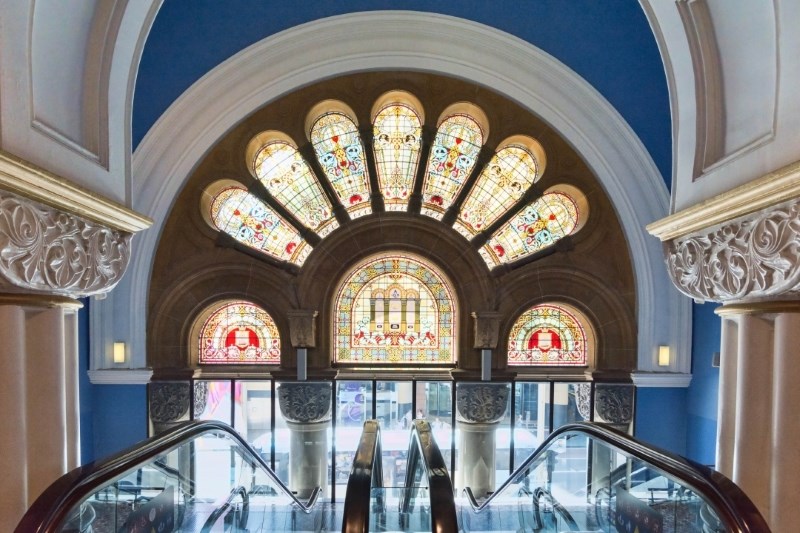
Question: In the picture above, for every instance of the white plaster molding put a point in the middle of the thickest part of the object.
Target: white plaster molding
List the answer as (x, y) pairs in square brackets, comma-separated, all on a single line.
[(48, 251), (37, 184), (661, 379), (774, 188), (383, 40), (139, 376), (753, 257)]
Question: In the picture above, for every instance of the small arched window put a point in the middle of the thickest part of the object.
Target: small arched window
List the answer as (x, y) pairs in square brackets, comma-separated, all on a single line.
[(238, 332), (549, 334)]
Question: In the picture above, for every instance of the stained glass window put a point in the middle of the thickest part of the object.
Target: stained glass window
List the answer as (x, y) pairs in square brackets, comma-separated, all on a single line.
[(397, 139), (395, 309), (248, 220), (453, 154), (537, 226), (337, 144), (548, 335), (286, 175), (502, 182), (239, 333)]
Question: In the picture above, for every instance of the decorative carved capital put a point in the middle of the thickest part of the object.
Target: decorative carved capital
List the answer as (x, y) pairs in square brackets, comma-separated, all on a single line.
[(756, 256), (481, 403), (487, 329), (303, 327), (305, 403), (169, 401), (45, 250), (583, 400), (614, 403)]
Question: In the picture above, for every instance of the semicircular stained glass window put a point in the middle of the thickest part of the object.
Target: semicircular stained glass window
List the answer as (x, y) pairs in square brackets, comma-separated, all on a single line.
[(340, 152), (396, 141), (239, 333), (454, 153), (535, 227), (287, 177), (547, 335), (510, 173), (248, 220), (395, 309)]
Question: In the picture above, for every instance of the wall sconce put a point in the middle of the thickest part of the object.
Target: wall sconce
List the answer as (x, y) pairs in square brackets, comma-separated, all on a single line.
[(486, 365), (302, 364), (119, 352), (663, 355)]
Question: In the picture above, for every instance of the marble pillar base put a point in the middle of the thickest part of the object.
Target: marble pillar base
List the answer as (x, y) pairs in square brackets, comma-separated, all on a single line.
[(308, 457)]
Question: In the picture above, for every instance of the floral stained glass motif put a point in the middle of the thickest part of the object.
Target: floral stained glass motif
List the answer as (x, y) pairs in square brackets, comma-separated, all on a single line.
[(395, 309), (339, 150), (547, 335), (397, 139), (286, 175), (453, 154), (248, 220), (510, 173), (239, 333), (535, 227)]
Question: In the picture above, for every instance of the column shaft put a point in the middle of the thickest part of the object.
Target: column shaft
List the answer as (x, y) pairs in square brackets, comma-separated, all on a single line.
[(726, 408)]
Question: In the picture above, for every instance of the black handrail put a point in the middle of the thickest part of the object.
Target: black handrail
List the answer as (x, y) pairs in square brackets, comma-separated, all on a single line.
[(734, 509), (52, 506), (422, 446), (366, 474)]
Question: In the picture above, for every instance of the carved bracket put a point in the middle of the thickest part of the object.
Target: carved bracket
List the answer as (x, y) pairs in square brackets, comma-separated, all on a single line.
[(481, 403), (303, 328), (305, 403), (487, 329)]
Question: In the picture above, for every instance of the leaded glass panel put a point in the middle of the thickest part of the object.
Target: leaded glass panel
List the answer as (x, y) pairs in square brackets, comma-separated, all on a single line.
[(337, 144), (287, 177), (453, 154), (397, 139), (251, 222), (502, 182), (395, 309), (548, 335), (539, 225), (239, 333)]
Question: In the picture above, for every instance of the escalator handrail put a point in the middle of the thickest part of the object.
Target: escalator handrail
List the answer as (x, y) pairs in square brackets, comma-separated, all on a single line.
[(53, 505), (422, 446), (734, 508), (366, 474)]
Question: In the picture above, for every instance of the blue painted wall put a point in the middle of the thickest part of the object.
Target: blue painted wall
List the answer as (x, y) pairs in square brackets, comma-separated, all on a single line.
[(84, 386), (120, 417), (608, 43), (661, 417)]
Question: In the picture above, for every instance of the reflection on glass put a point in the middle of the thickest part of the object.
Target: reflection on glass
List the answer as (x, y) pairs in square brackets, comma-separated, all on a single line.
[(253, 407), (435, 403), (570, 403), (353, 407), (531, 418), (394, 412), (213, 401)]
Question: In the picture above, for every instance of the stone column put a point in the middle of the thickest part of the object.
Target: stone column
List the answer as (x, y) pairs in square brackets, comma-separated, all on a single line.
[(307, 409), (726, 409), (479, 410)]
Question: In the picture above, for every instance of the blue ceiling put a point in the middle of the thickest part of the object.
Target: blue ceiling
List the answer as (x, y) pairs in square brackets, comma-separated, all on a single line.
[(608, 42)]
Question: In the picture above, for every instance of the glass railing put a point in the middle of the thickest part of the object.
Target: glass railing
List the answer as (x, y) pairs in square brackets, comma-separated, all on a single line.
[(591, 478), (199, 476)]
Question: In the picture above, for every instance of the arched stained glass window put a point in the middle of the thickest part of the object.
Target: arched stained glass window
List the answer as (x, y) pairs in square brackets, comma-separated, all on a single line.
[(248, 220), (395, 309), (397, 139), (339, 150), (286, 175), (547, 335), (239, 333), (453, 154), (510, 173), (537, 226)]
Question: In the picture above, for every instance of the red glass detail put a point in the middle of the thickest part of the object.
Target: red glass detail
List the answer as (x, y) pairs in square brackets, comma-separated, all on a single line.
[(545, 340), (290, 247), (335, 138), (241, 338), (237, 212), (552, 217), (355, 199), (436, 199), (458, 140), (499, 250)]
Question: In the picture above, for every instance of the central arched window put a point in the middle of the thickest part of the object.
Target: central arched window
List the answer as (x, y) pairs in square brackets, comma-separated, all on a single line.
[(395, 308)]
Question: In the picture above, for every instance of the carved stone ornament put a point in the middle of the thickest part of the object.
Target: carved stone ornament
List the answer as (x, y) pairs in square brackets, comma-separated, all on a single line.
[(583, 399), (169, 401), (305, 403), (46, 250), (487, 329), (614, 403), (200, 397), (752, 257), (481, 403), (302, 328)]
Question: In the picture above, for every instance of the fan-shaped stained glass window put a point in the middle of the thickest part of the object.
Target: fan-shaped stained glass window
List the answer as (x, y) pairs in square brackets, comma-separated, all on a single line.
[(502, 182), (339, 150), (286, 175), (248, 220), (453, 155), (537, 226), (396, 141), (548, 335), (239, 333), (395, 309)]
